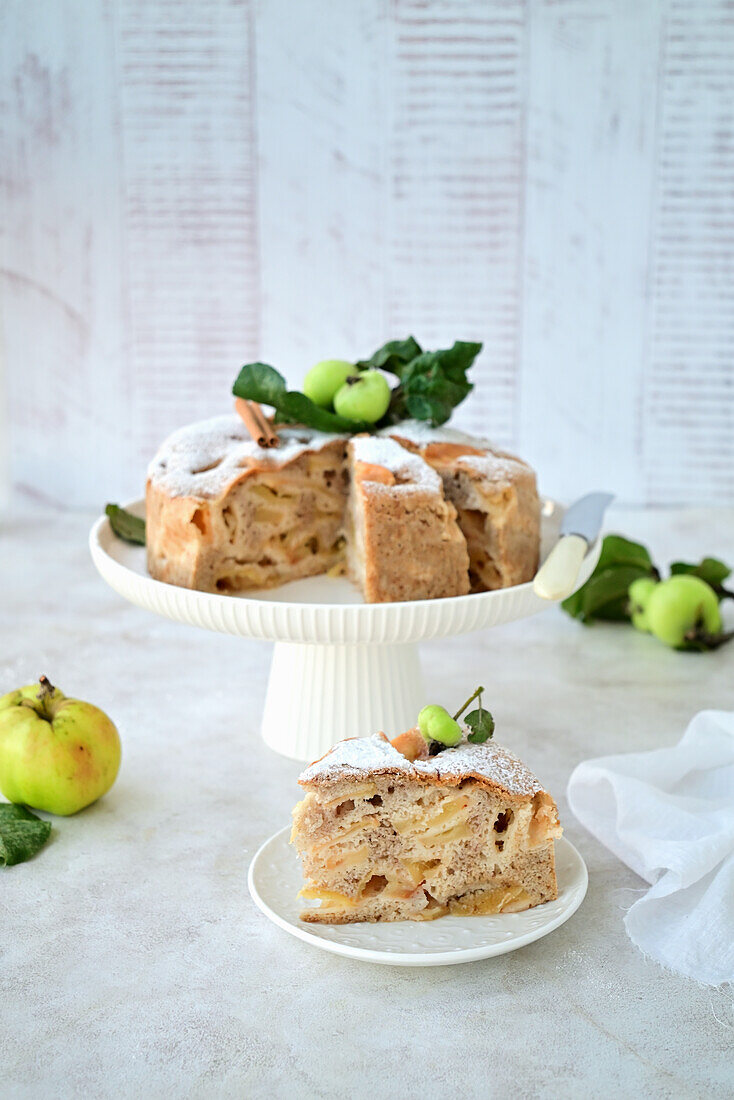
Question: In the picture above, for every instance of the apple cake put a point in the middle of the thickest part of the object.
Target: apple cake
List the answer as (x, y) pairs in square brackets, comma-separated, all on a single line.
[(385, 836), (495, 496), (402, 538), (225, 515), (415, 514)]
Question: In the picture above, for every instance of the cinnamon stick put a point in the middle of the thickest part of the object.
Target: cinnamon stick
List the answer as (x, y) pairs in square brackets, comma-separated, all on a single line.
[(256, 422)]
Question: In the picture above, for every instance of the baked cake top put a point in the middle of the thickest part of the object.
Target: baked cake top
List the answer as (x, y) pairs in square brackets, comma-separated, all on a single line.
[(359, 757), (201, 459), (422, 434), (409, 471), (484, 458)]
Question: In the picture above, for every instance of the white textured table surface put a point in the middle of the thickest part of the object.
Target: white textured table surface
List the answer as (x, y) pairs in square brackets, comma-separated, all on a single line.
[(133, 963)]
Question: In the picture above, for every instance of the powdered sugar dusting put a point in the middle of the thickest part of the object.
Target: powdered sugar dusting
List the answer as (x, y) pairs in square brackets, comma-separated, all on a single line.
[(496, 465), (411, 469), (422, 433), (489, 761), (359, 757), (201, 459), (356, 757)]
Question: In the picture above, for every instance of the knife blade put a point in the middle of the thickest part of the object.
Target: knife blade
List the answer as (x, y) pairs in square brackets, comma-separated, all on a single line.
[(579, 527), (585, 515)]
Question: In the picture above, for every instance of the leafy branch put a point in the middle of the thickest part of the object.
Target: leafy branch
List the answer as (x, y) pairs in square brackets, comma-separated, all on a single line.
[(430, 386)]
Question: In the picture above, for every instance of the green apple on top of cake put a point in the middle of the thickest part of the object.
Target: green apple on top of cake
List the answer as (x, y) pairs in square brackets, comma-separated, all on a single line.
[(364, 478), (438, 821)]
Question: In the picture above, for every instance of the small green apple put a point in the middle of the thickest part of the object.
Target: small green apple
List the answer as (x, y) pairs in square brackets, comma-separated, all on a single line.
[(325, 378), (56, 754), (436, 724), (639, 594), (365, 397), (683, 609)]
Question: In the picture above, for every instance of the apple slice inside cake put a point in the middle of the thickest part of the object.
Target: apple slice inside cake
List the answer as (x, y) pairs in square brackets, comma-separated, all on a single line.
[(384, 837)]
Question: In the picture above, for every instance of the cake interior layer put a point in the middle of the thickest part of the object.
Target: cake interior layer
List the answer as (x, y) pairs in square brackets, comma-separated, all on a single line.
[(392, 849), (271, 527), (501, 525), (404, 547)]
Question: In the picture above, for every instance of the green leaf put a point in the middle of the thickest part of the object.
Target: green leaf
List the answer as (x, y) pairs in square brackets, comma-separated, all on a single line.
[(481, 724), (392, 356), (125, 525), (604, 596), (617, 550), (434, 383), (22, 834), (259, 382), (296, 408), (711, 570)]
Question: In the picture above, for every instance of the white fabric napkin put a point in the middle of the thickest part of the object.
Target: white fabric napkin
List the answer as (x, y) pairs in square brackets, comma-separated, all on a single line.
[(669, 815)]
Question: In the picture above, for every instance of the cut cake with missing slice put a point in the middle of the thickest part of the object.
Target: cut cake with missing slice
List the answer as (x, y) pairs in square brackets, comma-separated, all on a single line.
[(382, 837)]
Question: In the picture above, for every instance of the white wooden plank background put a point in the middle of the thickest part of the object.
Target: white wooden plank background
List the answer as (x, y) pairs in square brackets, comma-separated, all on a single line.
[(188, 184)]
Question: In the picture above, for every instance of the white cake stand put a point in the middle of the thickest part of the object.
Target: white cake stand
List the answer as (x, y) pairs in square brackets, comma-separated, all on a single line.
[(340, 667)]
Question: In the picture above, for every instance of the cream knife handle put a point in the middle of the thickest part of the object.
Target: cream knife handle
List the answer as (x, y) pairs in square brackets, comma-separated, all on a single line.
[(557, 575)]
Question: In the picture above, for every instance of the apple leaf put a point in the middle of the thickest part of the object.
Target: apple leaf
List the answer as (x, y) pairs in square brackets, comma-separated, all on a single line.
[(259, 382), (604, 595), (126, 526), (711, 570), (393, 356), (296, 408), (433, 384), (22, 834), (481, 724)]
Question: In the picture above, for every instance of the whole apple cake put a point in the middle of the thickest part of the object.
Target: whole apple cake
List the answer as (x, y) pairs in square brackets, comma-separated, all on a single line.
[(384, 837), (413, 513)]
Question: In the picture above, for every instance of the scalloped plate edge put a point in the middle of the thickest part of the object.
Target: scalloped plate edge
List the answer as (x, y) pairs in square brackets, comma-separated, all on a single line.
[(573, 883)]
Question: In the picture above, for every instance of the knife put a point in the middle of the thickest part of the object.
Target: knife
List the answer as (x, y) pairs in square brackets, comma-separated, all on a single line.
[(580, 526)]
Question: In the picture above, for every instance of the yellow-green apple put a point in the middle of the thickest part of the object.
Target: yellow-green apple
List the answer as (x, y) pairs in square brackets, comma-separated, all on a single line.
[(56, 754)]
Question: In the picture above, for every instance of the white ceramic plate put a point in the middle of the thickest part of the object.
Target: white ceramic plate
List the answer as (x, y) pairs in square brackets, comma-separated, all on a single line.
[(275, 878)]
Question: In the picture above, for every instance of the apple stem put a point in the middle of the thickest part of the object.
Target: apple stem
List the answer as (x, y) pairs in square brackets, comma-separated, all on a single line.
[(471, 699), (46, 693)]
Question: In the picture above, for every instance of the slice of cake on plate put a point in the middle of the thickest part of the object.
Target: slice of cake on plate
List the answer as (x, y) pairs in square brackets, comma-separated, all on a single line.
[(496, 499), (403, 541), (226, 515), (383, 837)]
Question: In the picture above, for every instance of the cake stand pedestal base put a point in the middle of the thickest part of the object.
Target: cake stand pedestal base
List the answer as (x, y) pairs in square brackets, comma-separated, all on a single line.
[(318, 694)]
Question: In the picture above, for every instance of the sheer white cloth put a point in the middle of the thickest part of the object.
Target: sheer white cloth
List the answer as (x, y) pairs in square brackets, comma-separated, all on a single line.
[(669, 815)]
